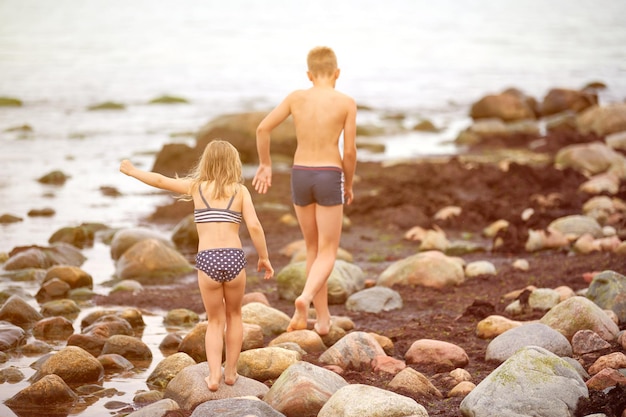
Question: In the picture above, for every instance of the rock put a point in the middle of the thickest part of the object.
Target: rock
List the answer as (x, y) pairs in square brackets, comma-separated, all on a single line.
[(532, 379), (308, 340), (344, 280), (608, 291), (605, 379), (150, 261), (271, 320), (477, 268), (507, 106), (616, 141), (303, 389), (358, 400), (18, 312), (48, 394), (355, 351), (54, 177), (124, 239), (53, 289), (81, 236), (615, 360), (181, 317), (189, 389), (185, 235), (53, 328), (65, 307), (240, 130), (576, 225), (430, 269), (561, 99), (495, 325), (444, 356), (90, 343), (11, 336), (12, 375), (44, 258), (579, 313), (168, 368), (74, 365), (266, 363), (417, 384), (112, 362), (156, 409), (504, 346), (128, 285), (543, 299), (589, 158), (130, 347), (603, 120), (374, 300), (235, 407), (74, 276), (588, 341)]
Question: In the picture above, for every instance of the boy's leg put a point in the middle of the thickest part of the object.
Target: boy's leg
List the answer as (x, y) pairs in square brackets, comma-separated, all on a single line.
[(233, 296), (321, 227), (213, 300)]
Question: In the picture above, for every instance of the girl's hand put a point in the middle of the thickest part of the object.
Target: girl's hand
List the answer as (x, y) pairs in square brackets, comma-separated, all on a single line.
[(264, 264), (126, 167)]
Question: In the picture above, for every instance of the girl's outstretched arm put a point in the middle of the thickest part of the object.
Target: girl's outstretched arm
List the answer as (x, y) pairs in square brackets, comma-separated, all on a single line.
[(154, 179)]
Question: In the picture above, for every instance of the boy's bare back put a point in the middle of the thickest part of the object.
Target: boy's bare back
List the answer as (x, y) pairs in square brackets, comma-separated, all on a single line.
[(319, 114)]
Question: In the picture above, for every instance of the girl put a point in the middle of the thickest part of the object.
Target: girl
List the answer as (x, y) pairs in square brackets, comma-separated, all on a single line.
[(220, 201)]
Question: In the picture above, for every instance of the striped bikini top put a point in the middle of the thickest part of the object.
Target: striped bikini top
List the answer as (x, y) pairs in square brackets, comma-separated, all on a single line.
[(216, 215)]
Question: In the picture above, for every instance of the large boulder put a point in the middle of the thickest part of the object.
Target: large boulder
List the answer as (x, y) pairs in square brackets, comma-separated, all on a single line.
[(562, 99), (532, 379), (429, 269), (240, 130), (508, 106), (603, 120), (151, 261)]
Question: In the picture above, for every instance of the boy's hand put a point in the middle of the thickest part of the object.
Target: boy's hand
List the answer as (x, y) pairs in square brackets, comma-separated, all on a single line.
[(348, 196), (264, 264), (262, 181)]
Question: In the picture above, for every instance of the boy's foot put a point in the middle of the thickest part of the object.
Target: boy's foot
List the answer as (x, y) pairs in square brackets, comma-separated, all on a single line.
[(299, 319), (213, 386), (322, 328), (231, 380)]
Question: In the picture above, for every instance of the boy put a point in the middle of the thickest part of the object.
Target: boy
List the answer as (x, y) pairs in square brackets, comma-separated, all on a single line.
[(321, 180)]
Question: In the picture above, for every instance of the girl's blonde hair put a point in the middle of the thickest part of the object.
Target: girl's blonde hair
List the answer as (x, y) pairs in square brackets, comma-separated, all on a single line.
[(221, 165), (322, 60)]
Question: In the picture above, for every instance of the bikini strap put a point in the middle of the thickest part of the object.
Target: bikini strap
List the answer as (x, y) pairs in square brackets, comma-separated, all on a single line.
[(231, 200), (202, 196)]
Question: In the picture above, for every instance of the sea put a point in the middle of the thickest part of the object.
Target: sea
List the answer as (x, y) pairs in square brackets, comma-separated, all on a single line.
[(421, 59)]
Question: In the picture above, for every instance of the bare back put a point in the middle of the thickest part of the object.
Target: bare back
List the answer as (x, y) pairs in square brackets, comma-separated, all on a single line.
[(319, 116)]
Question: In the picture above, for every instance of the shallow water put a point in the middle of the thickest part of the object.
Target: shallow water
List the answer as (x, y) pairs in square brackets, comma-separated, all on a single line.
[(421, 59)]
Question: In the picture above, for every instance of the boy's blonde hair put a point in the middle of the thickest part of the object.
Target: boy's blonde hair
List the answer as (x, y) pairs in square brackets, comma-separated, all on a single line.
[(220, 164), (322, 61)]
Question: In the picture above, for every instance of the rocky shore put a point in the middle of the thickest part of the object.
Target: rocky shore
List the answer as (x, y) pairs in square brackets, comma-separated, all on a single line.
[(459, 280)]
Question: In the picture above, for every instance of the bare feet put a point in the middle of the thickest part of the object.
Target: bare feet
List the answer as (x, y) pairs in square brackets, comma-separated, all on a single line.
[(231, 380), (299, 319), (322, 328), (213, 386)]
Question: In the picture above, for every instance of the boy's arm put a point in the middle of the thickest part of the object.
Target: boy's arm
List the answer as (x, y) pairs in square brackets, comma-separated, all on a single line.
[(263, 178), (180, 186), (349, 151)]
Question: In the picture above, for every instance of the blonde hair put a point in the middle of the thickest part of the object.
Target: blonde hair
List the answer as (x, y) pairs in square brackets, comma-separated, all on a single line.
[(322, 61), (221, 165)]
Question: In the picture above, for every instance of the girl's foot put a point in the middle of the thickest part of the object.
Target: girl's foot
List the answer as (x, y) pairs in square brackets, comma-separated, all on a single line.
[(213, 386), (299, 319)]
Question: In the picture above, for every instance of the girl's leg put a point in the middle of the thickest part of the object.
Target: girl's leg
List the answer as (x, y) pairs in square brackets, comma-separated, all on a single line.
[(233, 296), (213, 299)]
